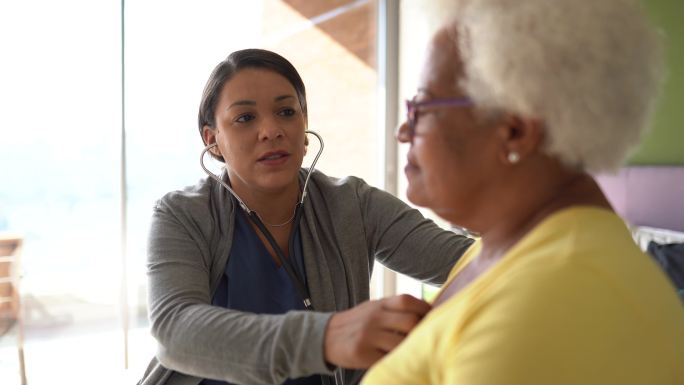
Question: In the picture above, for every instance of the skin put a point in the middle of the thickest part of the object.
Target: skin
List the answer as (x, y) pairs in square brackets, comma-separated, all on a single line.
[(258, 113), (458, 166)]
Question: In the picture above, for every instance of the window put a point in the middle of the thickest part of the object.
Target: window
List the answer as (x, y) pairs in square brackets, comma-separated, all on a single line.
[(61, 98), (62, 146)]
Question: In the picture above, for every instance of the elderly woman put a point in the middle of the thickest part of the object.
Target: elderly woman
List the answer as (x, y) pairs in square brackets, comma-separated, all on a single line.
[(518, 101), (255, 275)]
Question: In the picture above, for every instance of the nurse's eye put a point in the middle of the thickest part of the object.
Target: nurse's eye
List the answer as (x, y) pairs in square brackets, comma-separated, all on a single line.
[(244, 118), (287, 112)]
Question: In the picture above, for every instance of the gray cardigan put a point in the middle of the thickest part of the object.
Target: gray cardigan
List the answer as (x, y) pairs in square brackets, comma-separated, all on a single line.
[(346, 225)]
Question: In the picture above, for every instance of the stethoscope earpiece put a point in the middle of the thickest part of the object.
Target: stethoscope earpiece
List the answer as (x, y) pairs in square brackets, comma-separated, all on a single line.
[(212, 148)]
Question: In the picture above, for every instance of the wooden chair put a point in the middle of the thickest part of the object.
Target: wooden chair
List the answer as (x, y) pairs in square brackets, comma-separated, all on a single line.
[(10, 299)]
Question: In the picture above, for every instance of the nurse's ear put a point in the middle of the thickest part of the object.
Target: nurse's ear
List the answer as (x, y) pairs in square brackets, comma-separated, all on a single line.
[(209, 137)]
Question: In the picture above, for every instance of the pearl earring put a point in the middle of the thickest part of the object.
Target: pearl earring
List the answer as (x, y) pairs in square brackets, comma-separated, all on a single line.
[(513, 157)]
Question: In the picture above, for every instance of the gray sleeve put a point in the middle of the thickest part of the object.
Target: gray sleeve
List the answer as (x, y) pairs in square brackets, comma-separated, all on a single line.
[(207, 341), (403, 240)]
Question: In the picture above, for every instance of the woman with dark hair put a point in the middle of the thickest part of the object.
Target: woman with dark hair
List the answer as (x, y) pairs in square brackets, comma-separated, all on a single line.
[(258, 275)]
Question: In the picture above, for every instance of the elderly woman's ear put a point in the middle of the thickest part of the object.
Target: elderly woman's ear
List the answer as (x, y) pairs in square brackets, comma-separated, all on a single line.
[(520, 138)]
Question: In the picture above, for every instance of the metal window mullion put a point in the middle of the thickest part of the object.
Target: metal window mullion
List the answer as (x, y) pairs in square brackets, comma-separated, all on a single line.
[(123, 199), (388, 101)]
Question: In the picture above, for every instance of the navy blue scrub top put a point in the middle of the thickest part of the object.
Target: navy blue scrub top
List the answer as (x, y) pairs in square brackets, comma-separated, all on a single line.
[(253, 283)]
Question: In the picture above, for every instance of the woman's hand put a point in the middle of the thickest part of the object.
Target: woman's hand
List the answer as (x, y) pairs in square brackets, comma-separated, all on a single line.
[(358, 337)]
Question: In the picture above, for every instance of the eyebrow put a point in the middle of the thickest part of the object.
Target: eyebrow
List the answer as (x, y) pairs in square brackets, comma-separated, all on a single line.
[(242, 103), (253, 103), (283, 97)]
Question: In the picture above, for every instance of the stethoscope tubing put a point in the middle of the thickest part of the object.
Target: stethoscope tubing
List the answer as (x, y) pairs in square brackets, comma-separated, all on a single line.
[(287, 263)]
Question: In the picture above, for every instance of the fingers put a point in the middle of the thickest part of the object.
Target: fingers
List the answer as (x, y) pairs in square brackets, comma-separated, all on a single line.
[(385, 341), (358, 337), (406, 303), (397, 322)]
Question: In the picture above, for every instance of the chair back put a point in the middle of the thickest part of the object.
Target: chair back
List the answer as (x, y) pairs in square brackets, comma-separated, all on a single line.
[(10, 253)]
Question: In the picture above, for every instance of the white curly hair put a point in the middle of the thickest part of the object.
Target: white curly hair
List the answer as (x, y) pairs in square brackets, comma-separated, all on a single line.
[(591, 70)]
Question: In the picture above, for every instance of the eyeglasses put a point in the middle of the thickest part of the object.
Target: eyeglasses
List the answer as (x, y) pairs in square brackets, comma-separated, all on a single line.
[(412, 109)]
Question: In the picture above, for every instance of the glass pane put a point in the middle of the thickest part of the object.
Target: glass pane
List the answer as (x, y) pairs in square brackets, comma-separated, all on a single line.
[(62, 122), (60, 128)]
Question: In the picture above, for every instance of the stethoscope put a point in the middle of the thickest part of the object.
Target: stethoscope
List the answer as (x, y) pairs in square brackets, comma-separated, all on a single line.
[(287, 263)]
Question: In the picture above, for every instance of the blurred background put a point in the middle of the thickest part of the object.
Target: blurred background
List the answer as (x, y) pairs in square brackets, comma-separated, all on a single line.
[(98, 121)]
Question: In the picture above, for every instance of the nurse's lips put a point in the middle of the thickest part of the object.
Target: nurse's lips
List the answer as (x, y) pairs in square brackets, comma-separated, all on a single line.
[(274, 157)]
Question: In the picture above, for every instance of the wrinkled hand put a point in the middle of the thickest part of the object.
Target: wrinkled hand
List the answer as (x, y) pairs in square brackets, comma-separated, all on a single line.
[(358, 337)]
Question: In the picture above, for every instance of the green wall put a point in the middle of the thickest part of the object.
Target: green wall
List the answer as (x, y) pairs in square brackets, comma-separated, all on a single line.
[(665, 142)]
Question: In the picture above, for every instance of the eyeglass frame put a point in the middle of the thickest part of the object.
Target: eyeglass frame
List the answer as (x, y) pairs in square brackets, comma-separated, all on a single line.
[(412, 109)]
